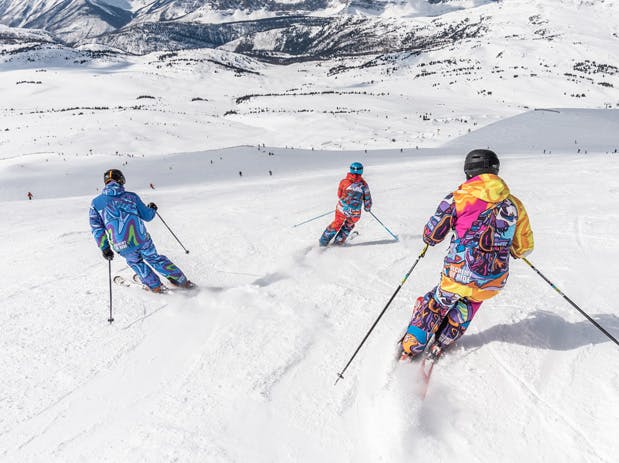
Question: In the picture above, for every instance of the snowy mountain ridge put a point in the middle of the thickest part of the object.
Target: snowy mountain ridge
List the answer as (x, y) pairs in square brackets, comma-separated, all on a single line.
[(69, 19), (75, 20), (284, 32)]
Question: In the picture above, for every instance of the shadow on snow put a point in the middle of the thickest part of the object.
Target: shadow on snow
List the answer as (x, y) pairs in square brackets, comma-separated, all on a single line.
[(547, 330)]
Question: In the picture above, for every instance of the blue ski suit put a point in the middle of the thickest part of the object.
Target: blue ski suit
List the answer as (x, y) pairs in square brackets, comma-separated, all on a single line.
[(117, 221)]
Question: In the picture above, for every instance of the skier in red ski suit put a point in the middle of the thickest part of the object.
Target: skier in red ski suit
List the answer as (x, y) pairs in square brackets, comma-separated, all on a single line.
[(353, 193)]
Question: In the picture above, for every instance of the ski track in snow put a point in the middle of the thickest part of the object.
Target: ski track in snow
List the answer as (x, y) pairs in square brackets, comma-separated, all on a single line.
[(534, 397)]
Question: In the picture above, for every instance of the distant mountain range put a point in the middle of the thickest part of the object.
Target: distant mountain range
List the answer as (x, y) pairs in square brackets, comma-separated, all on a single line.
[(276, 31)]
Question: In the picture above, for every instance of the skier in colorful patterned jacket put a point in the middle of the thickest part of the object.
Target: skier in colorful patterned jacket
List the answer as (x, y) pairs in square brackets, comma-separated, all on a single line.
[(489, 225), (354, 193), (117, 221)]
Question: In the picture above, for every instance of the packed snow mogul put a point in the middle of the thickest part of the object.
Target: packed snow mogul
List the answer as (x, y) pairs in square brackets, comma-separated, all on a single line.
[(117, 221), (489, 224), (353, 192)]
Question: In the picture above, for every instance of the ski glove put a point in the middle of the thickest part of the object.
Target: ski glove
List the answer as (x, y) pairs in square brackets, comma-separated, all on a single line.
[(153, 206), (108, 254), (367, 209)]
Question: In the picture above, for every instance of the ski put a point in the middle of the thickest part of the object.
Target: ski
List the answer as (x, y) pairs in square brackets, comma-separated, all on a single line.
[(426, 360), (425, 370), (430, 357), (345, 243), (136, 282), (122, 281), (334, 244)]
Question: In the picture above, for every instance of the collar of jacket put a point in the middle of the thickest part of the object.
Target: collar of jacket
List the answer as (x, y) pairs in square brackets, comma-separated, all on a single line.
[(113, 189)]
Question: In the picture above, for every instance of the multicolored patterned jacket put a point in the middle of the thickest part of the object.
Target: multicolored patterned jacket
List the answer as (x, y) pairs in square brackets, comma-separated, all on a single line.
[(489, 224), (353, 192), (116, 218)]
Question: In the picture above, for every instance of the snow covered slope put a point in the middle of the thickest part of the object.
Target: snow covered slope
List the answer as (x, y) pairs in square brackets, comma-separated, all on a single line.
[(243, 369)]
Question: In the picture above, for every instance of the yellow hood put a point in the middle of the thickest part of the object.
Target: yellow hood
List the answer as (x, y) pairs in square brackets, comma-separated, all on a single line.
[(487, 187)]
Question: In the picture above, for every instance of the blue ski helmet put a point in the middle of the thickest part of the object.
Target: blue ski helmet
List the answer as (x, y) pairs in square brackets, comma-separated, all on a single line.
[(356, 168)]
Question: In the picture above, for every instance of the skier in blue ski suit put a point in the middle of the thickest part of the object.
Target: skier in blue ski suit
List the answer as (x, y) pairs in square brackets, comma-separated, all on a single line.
[(117, 222)]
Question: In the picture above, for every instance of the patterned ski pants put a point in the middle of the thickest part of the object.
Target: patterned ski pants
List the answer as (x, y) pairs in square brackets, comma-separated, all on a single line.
[(146, 252), (438, 309), (340, 228)]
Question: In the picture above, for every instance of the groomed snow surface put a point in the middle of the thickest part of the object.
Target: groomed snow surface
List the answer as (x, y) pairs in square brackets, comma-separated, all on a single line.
[(243, 369)]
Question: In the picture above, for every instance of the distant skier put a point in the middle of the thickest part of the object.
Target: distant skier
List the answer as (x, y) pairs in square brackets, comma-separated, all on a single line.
[(29, 196), (354, 193), (116, 221), (152, 186), (489, 224)]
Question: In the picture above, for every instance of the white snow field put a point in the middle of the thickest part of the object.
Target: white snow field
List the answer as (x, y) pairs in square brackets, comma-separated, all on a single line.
[(243, 369)]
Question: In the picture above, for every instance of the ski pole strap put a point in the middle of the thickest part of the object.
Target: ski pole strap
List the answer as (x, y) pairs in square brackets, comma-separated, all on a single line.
[(596, 324), (388, 231)]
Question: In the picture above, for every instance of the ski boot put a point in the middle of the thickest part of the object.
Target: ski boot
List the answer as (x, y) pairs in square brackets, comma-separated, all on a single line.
[(403, 356), (161, 289), (434, 352), (186, 285)]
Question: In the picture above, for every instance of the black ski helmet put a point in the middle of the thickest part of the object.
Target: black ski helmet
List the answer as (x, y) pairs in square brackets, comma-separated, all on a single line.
[(113, 175), (481, 162)]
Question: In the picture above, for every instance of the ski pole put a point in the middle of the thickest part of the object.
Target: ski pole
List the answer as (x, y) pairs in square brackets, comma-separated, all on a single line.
[(314, 218), (340, 375), (111, 319), (388, 231), (596, 324), (179, 241)]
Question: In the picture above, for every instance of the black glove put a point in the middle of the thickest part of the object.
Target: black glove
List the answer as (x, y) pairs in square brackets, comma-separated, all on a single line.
[(367, 209), (153, 206), (108, 254)]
